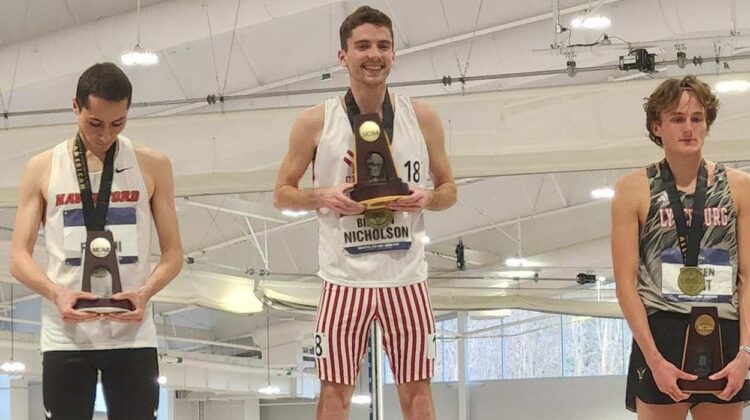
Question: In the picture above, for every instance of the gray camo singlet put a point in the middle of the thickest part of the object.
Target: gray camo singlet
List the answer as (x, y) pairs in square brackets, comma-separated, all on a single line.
[(659, 233)]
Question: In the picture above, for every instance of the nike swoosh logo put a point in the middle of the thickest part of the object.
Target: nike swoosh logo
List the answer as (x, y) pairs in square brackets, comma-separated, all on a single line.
[(123, 169), (48, 414)]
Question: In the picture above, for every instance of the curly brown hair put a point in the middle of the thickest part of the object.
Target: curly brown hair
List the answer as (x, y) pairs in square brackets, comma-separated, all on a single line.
[(364, 14), (667, 96)]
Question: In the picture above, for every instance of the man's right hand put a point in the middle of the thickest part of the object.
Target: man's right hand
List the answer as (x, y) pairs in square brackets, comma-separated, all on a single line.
[(65, 299), (335, 199), (666, 375)]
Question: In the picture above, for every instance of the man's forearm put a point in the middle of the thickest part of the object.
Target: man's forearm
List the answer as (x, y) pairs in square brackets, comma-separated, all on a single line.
[(442, 197), (289, 197), (637, 318), (164, 272), (744, 312), (27, 271)]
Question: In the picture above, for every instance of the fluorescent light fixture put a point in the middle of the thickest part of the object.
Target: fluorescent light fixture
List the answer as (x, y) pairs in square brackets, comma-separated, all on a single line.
[(269, 390), (361, 399), (732, 86), (517, 262), (293, 213), (601, 279), (162, 380), (590, 22), (518, 273), (426, 239), (139, 57), (12, 366), (601, 193)]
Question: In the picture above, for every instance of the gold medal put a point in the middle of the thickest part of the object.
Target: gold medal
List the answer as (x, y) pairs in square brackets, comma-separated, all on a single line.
[(378, 218), (369, 131), (691, 281), (704, 325)]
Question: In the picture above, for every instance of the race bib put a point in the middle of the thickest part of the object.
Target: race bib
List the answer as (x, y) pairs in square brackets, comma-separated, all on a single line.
[(358, 238), (121, 221), (320, 349), (431, 345), (716, 268)]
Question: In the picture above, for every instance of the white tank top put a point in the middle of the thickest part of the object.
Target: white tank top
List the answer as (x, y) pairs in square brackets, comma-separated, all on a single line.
[(129, 219), (351, 254)]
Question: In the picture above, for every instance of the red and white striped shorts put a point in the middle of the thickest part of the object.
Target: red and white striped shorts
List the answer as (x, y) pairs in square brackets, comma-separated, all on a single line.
[(345, 315)]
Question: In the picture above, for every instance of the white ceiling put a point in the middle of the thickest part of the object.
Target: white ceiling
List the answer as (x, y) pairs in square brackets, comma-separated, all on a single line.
[(527, 150)]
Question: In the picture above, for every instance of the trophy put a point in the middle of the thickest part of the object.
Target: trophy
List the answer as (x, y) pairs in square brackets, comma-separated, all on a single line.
[(702, 355), (100, 255), (376, 180), (100, 245)]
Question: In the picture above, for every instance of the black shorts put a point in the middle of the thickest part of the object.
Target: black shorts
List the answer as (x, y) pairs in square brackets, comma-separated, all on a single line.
[(129, 379), (668, 330)]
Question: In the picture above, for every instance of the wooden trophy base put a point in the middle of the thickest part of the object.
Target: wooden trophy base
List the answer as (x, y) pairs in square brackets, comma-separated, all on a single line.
[(103, 306), (377, 196)]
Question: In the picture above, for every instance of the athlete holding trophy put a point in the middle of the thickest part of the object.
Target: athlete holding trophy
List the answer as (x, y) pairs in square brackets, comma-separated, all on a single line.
[(681, 254), (92, 326), (371, 243)]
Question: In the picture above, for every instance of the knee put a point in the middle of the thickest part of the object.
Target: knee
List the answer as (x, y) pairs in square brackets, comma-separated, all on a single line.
[(333, 403), (419, 406)]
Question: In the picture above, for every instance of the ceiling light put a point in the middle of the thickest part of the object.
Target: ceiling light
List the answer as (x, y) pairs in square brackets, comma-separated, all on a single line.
[(139, 56), (601, 279), (600, 193), (517, 262), (361, 399), (426, 239), (293, 213), (12, 367), (269, 390), (590, 22), (162, 380), (732, 86)]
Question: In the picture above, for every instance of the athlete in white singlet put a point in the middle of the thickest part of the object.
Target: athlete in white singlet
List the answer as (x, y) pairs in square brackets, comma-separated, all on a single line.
[(78, 346), (370, 274)]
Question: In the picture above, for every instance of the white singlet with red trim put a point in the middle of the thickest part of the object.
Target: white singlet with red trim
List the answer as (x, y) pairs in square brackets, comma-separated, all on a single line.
[(129, 220), (350, 253)]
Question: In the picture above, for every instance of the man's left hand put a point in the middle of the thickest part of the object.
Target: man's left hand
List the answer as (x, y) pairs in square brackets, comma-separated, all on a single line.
[(139, 299), (418, 200), (735, 373)]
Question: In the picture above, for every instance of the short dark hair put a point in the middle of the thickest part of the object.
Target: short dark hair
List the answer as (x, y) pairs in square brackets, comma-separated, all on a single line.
[(364, 14), (667, 96), (105, 81)]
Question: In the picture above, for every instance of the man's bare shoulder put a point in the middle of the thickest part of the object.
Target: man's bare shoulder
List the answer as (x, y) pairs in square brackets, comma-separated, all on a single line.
[(43, 159), (39, 165), (633, 181), (631, 188), (36, 172), (150, 155), (312, 117), (739, 185), (738, 177), (425, 112)]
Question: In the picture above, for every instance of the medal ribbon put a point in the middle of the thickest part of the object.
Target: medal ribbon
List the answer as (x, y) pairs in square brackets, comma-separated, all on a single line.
[(95, 217), (689, 239), (352, 110)]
